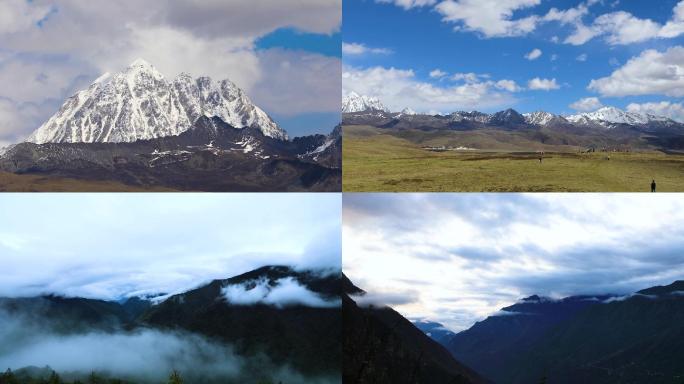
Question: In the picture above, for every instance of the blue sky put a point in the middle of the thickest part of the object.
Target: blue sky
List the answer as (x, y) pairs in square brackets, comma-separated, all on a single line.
[(457, 258), (284, 54), (113, 245), (491, 40)]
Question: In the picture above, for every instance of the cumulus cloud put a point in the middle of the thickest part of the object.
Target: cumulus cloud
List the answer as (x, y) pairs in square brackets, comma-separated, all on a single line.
[(534, 54), (582, 57), (437, 73), (674, 111), (542, 84), (587, 104), (620, 27), (652, 72), (509, 85), (352, 49), (398, 88), (281, 293), (491, 19)]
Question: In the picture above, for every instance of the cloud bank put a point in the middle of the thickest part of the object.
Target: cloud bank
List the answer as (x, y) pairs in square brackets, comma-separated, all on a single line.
[(109, 246), (470, 255)]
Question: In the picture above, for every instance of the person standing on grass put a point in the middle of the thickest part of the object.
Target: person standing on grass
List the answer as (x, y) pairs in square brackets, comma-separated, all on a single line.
[(653, 186)]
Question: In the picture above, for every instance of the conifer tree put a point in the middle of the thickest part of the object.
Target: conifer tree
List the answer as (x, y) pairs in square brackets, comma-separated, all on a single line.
[(175, 378)]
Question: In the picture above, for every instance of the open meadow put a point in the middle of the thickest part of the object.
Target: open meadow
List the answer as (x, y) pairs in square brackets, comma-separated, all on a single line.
[(375, 160)]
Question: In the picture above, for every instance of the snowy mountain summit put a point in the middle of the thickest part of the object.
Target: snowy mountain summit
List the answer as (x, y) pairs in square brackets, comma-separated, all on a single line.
[(354, 102), (615, 116), (138, 103)]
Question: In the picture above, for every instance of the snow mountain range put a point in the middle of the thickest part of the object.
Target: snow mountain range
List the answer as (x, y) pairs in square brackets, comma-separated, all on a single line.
[(138, 103), (606, 117)]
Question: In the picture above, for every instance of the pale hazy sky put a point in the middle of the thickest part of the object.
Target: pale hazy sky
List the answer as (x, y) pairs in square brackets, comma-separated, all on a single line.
[(112, 245), (455, 258)]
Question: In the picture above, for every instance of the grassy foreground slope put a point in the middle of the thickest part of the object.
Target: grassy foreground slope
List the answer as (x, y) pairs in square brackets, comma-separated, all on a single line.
[(10, 182), (376, 161)]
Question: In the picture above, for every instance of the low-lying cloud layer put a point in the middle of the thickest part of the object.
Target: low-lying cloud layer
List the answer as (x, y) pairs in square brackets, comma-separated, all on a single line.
[(144, 355), (282, 293)]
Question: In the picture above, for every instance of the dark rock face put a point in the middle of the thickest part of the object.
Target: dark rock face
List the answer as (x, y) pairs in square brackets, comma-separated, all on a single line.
[(211, 156), (381, 346)]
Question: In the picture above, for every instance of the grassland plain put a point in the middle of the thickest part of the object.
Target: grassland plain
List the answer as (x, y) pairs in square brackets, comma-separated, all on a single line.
[(376, 161), (10, 182)]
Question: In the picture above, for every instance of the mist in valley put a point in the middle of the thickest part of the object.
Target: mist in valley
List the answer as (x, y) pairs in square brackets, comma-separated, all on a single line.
[(141, 355)]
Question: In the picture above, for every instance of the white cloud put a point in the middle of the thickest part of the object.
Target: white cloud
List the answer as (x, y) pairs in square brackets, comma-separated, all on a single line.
[(674, 111), (490, 18), (408, 4), (587, 104), (469, 77), (582, 57), (652, 72), (553, 57), (143, 245), (353, 49), (398, 88), (437, 73), (509, 85), (623, 28), (581, 35), (620, 27), (542, 84), (534, 54), (283, 293), (567, 16)]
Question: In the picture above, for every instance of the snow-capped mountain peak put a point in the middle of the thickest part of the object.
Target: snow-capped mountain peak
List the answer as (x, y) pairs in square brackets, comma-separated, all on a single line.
[(138, 103), (539, 117), (408, 111), (615, 116), (354, 102)]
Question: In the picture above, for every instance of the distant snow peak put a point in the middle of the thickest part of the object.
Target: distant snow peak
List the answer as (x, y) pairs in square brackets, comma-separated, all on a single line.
[(408, 111), (354, 102), (612, 115), (138, 103), (539, 117)]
